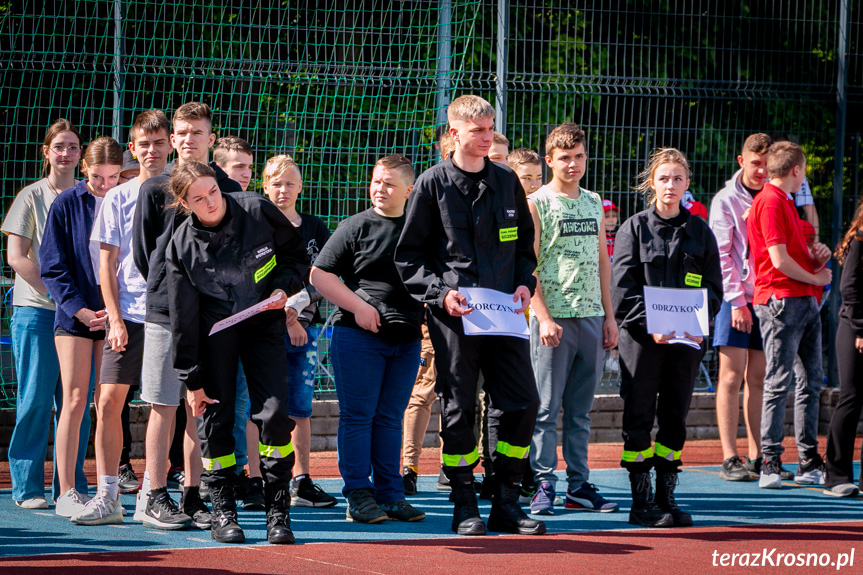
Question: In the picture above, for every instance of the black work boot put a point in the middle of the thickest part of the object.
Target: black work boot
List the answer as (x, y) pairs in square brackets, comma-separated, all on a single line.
[(506, 515), (644, 509), (224, 517), (465, 514), (278, 501), (666, 481)]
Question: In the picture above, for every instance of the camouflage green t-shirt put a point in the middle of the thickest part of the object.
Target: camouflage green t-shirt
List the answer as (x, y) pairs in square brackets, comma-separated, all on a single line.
[(568, 259)]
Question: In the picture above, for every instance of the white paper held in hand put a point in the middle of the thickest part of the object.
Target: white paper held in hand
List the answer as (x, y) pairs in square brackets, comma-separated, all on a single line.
[(677, 310), (493, 313), (245, 314)]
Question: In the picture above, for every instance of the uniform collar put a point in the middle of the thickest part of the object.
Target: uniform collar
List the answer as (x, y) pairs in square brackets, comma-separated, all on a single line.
[(656, 222), (465, 184)]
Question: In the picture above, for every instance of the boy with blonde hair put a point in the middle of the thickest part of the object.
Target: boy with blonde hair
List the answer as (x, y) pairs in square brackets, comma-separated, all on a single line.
[(283, 183)]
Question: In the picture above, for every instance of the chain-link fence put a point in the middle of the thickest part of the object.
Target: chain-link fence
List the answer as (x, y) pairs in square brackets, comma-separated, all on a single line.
[(338, 84)]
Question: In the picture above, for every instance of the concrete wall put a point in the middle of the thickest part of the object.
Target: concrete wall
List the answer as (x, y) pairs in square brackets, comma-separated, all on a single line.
[(606, 418)]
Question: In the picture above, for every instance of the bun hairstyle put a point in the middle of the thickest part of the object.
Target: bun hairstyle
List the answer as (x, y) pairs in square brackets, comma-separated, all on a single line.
[(182, 178), (59, 126), (657, 158), (102, 151)]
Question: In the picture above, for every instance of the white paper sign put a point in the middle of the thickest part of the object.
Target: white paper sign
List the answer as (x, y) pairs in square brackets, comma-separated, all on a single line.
[(493, 313), (245, 314), (676, 310)]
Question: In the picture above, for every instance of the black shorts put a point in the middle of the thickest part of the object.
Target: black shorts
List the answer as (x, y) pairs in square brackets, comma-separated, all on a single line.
[(124, 367), (94, 335)]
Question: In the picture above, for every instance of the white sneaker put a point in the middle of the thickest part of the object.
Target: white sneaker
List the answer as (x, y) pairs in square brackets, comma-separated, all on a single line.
[(842, 490), (99, 511), (771, 475), (141, 499), (33, 503), (810, 472), (70, 503)]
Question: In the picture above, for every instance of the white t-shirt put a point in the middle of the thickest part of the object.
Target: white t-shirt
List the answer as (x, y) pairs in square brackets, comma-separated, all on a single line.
[(804, 196), (26, 218), (113, 226), (94, 246)]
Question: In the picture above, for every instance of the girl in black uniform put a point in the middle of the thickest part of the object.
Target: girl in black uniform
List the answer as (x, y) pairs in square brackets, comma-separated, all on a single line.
[(839, 481), (663, 246), (234, 251)]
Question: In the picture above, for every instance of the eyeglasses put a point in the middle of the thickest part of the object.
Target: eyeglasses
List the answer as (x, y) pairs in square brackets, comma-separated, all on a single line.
[(72, 150)]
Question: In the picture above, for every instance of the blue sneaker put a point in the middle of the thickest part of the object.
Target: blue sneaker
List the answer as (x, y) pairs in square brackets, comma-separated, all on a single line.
[(543, 500), (587, 497)]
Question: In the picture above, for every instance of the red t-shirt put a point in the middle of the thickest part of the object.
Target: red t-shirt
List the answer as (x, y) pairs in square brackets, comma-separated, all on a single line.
[(772, 221)]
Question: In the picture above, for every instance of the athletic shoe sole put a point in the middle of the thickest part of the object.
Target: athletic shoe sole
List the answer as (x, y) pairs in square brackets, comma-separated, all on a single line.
[(745, 476), (807, 480), (163, 525), (578, 506), (113, 518), (301, 502), (773, 481), (850, 493)]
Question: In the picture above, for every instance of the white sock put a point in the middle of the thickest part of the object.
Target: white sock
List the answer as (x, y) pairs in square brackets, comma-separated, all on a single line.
[(109, 487)]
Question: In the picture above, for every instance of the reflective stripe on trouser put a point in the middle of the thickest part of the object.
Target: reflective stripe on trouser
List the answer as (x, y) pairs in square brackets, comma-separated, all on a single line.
[(637, 456), (515, 451), (656, 386), (217, 463), (509, 382), (276, 451), (663, 452), (260, 341), (464, 460)]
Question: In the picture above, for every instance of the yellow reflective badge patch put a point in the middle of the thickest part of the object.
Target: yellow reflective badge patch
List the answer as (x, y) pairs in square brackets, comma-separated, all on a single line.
[(267, 268), (693, 280), (508, 234)]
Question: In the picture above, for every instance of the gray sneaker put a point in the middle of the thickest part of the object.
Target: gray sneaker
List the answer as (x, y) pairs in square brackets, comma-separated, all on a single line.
[(99, 511), (362, 507), (842, 490), (733, 469)]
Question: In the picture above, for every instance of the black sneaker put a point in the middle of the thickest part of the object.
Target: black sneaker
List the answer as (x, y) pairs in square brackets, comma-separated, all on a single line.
[(204, 490), (734, 470), (402, 511), (127, 481), (254, 499), (409, 479), (162, 512), (193, 506), (753, 466), (305, 493), (176, 476), (362, 507)]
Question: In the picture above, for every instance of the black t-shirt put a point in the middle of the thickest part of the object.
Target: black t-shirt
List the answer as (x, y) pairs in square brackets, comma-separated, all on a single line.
[(752, 191), (361, 251), (315, 234)]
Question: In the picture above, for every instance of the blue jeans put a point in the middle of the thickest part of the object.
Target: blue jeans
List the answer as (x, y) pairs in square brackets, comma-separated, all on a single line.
[(791, 329), (302, 364), (374, 379), (39, 387), (242, 409)]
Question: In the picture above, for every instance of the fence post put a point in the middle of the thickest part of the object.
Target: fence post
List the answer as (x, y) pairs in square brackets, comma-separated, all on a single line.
[(500, 81), (838, 169), (117, 115), (444, 55)]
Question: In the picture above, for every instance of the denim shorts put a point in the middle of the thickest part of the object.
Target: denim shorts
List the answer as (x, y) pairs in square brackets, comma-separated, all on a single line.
[(302, 365), (724, 334)]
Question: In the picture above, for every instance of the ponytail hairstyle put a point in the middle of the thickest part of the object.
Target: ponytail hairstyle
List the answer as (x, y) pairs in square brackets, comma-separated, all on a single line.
[(102, 151), (657, 158), (60, 125), (855, 232), (182, 178)]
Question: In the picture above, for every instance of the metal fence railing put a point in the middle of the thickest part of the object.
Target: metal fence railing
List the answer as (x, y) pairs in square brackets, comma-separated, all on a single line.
[(338, 84)]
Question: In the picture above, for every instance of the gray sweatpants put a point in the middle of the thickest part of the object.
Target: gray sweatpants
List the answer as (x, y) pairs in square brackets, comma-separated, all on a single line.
[(566, 377)]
